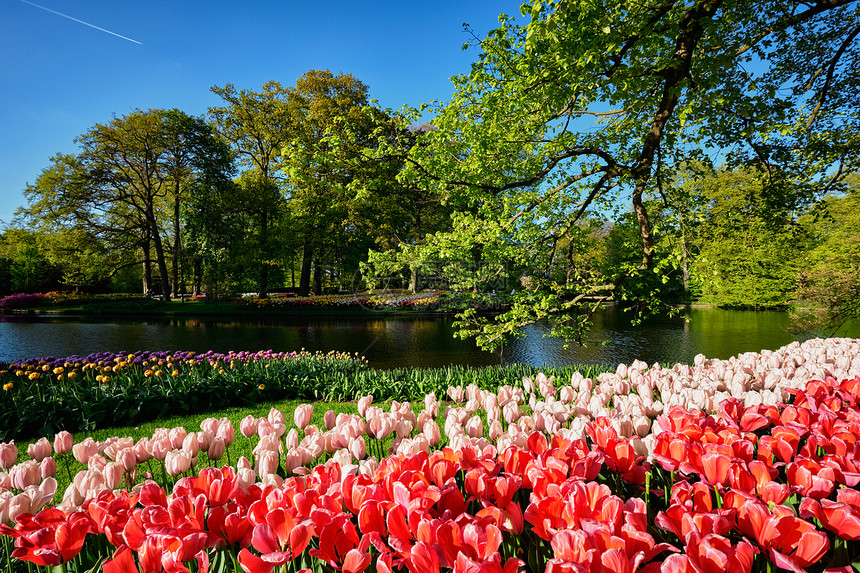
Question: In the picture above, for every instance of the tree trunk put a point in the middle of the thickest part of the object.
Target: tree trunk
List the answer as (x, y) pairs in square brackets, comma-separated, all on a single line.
[(263, 285), (198, 276), (147, 267), (318, 270), (305, 276), (159, 254), (176, 243)]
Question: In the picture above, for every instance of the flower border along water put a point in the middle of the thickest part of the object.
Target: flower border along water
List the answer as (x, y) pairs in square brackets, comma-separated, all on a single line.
[(645, 469)]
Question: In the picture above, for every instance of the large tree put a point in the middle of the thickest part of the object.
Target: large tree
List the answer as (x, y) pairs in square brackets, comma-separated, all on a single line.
[(258, 125), (327, 109), (588, 101), (126, 184)]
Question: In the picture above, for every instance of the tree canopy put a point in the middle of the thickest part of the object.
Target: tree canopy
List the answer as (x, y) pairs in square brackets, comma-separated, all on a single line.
[(590, 101)]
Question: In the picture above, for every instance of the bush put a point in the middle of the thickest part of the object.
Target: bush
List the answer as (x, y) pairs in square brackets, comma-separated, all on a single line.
[(22, 300)]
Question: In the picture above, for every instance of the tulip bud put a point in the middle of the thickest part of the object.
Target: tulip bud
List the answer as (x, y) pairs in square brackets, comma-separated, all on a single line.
[(39, 450), (267, 463), (8, 455), (216, 449), (328, 419), (177, 436), (63, 442), (113, 474), (431, 431), (248, 426), (303, 415), (127, 457), (226, 432), (48, 468), (142, 450), (243, 463), (292, 439)]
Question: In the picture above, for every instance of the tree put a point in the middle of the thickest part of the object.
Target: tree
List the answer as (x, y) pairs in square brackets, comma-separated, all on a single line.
[(327, 110), (828, 293), (747, 244), (590, 101), (258, 126)]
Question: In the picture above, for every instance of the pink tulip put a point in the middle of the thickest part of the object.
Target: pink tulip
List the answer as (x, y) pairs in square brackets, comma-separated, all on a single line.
[(113, 474), (248, 426), (216, 449), (177, 436), (226, 432), (5, 498), (267, 463), (160, 448), (8, 455), (190, 445), (204, 439), (474, 427), (265, 428), (39, 450), (243, 463), (381, 426), (177, 462), (24, 474), (358, 448), (97, 462), (303, 414), (328, 419), (292, 439), (210, 425), (431, 431), (63, 442), (245, 478), (116, 445), (292, 460), (363, 403), (278, 421), (127, 458), (48, 468)]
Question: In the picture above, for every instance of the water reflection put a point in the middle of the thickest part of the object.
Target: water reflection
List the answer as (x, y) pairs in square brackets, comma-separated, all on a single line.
[(396, 342)]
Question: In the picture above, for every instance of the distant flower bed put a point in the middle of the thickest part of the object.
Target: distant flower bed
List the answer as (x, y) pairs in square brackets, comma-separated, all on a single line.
[(369, 300), (686, 469)]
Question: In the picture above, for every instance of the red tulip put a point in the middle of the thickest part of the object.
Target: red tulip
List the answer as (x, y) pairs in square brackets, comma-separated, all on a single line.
[(55, 543)]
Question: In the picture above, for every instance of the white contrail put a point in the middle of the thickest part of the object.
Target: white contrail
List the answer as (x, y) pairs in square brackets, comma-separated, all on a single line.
[(80, 21)]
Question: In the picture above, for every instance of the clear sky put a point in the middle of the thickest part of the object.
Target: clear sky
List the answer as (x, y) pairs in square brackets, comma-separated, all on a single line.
[(66, 65)]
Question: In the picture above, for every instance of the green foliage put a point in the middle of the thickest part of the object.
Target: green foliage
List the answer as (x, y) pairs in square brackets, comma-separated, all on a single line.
[(746, 241), (829, 274)]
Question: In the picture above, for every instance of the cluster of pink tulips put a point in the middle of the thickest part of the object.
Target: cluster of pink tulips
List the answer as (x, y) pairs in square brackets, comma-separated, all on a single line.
[(691, 469)]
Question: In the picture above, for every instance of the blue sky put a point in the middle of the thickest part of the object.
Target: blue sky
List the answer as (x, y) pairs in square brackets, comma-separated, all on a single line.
[(61, 75)]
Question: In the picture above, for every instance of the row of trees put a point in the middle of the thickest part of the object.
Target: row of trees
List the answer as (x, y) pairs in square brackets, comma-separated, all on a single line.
[(253, 190), (573, 164)]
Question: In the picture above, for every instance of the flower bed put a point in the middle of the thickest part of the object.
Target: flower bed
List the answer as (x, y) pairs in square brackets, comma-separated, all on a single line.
[(368, 300), (645, 469)]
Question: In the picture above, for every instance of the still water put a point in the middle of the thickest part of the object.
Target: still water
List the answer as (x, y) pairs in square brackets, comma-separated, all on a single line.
[(392, 342)]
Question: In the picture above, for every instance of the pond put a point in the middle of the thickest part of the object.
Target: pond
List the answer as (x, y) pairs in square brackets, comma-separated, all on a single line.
[(392, 342)]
